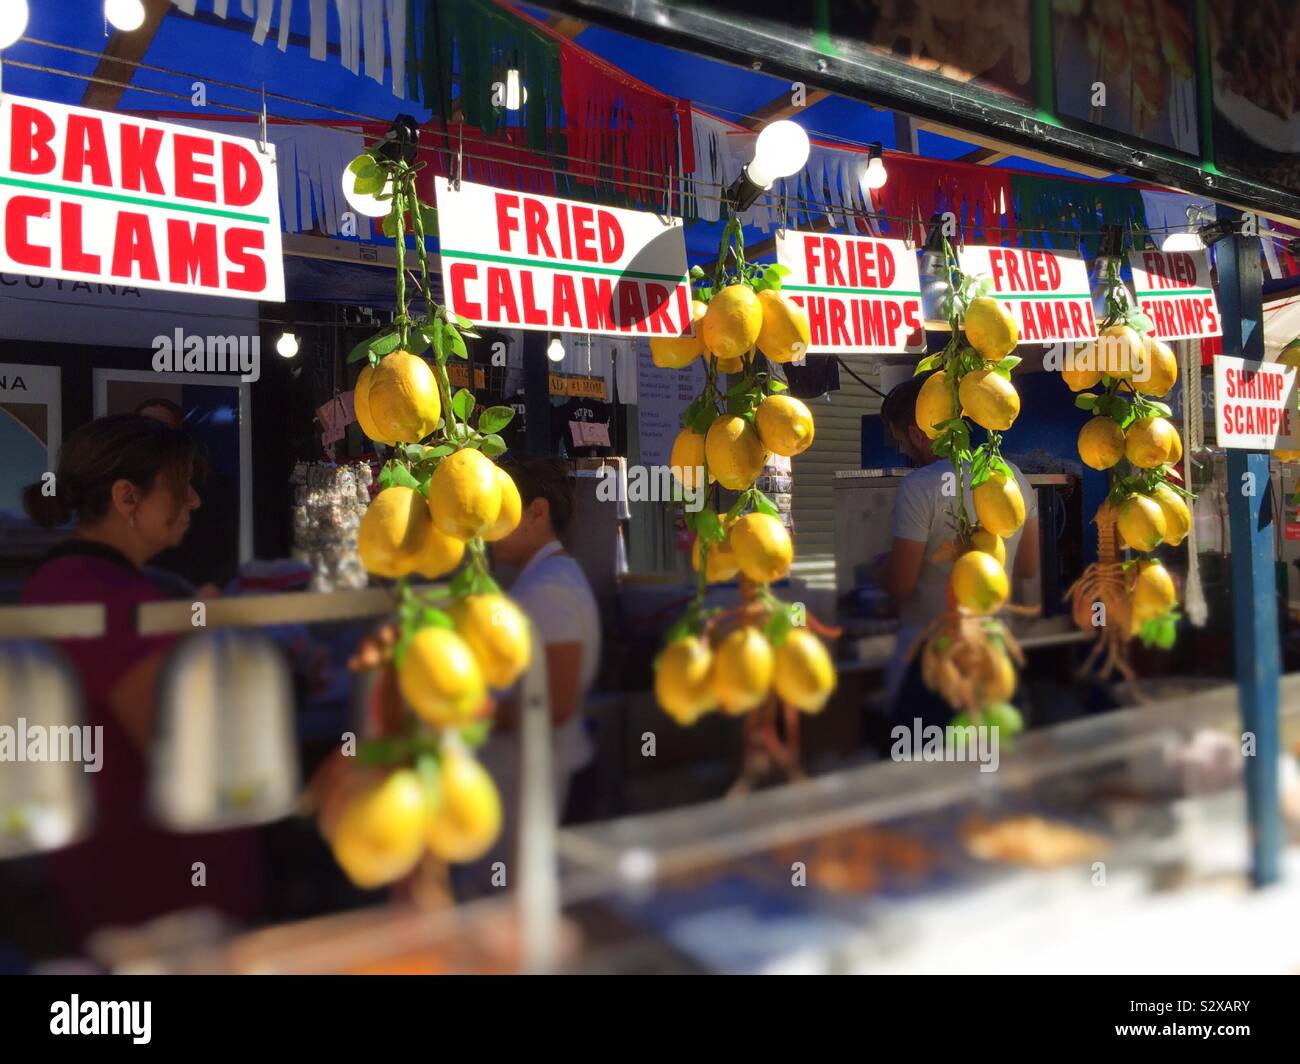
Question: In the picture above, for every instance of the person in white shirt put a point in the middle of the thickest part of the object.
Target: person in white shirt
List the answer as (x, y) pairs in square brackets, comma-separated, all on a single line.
[(551, 588), (924, 520)]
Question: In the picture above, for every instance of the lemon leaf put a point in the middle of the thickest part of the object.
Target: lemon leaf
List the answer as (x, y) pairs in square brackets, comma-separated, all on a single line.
[(495, 418), (463, 403), (493, 445), (476, 734), (778, 627), (453, 342), (764, 505), (1086, 401), (775, 386)]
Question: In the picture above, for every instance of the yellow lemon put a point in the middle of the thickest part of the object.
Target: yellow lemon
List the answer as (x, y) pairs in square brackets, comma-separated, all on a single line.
[(441, 554), (1141, 523), (465, 494), (1158, 371), (989, 399), (1149, 441), (677, 352), (1000, 685), (1119, 351), (803, 673), (441, 679), (403, 399), (498, 635), (1175, 449), (1153, 592), (785, 425), (394, 532), (467, 820), (1283, 455), (762, 547), (1178, 519), (687, 459), (730, 365), (379, 837), (1101, 443), (735, 452), (732, 323), (935, 404), (684, 680), (1080, 371), (979, 582), (742, 670), (990, 328), (721, 565), (512, 509), (784, 334), (361, 405), (983, 539), (1290, 355), (999, 505)]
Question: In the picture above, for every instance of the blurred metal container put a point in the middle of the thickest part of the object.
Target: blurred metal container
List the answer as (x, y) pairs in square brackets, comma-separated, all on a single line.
[(224, 752), (45, 804)]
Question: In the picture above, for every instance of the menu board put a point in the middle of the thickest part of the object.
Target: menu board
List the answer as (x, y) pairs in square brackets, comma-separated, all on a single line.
[(662, 397)]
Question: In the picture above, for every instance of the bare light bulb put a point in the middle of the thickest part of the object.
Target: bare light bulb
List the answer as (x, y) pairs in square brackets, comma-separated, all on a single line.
[(365, 203), (13, 21), (555, 350), (287, 345), (516, 93), (875, 175), (781, 150), (125, 15), (1188, 241)]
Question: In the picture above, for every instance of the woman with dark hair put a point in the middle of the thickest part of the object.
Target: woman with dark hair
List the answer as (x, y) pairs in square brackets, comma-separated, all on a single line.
[(127, 480)]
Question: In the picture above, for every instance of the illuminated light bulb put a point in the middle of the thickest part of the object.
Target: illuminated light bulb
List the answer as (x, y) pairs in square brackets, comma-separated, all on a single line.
[(125, 15), (875, 175), (287, 345), (1188, 241), (365, 203), (555, 350), (13, 21), (516, 93), (781, 150)]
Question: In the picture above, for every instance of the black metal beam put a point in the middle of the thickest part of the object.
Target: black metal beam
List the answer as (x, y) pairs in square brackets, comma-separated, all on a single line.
[(746, 39)]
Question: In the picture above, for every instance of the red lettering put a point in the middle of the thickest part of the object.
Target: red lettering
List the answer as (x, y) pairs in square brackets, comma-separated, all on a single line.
[(565, 307), (501, 297), (885, 266), (251, 276), (192, 253), (72, 256), (661, 323), (834, 275), (18, 212), (29, 141), (1062, 320), (598, 302), (1028, 329), (133, 248), (816, 308), (839, 335), (241, 177), (194, 159), (536, 239), (140, 146), (1053, 271), (1078, 329), (86, 150), (584, 233), (1036, 269), (611, 237), (811, 260), (507, 223), (631, 311), (893, 319), (566, 243), (873, 321), (460, 274), (533, 314), (1014, 281), (996, 268)]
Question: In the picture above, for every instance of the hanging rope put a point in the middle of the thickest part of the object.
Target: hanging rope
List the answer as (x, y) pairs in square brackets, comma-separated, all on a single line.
[(1194, 434)]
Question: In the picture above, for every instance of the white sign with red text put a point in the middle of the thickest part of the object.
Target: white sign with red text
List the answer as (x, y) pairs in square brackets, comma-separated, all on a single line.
[(520, 261), (1173, 290), (1047, 292), (1255, 405), (861, 293), (100, 197)]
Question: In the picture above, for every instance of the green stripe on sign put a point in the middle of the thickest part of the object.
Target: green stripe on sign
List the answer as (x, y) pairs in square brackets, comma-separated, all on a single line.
[(571, 267), (139, 201), (847, 291), (1042, 295), (1170, 293)]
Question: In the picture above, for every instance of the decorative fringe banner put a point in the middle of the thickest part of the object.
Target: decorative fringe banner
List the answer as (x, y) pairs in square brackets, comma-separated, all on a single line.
[(1078, 208), (363, 25), (978, 196)]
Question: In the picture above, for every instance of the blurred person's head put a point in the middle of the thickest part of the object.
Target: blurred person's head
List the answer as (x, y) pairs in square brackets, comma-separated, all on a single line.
[(547, 496), (128, 481), (163, 410), (899, 414)]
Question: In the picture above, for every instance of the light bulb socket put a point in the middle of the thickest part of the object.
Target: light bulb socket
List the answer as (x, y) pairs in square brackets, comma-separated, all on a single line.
[(934, 238), (742, 193), (402, 141), (1213, 232)]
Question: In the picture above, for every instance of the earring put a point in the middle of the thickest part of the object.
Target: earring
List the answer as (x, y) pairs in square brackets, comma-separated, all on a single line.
[(131, 521)]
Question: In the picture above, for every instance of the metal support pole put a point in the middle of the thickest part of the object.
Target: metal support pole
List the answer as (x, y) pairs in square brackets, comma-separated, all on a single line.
[(537, 393), (538, 898), (1254, 578)]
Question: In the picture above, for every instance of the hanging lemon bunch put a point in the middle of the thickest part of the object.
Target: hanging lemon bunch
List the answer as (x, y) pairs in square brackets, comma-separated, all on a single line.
[(736, 661), (967, 655), (1130, 436), (442, 499)]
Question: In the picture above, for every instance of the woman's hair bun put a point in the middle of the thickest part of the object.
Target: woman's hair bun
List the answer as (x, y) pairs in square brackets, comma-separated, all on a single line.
[(48, 511)]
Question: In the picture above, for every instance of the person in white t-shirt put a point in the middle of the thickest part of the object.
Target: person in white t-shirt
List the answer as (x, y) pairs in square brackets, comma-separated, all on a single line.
[(551, 588), (924, 520)]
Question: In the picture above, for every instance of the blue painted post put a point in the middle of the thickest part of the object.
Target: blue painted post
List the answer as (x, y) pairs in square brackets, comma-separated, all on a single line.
[(1254, 578)]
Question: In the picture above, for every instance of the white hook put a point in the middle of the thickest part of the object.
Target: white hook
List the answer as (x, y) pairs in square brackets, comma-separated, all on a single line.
[(460, 154), (261, 124)]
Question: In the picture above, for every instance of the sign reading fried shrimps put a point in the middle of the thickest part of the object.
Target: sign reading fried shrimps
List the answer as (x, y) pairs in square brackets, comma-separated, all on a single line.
[(1173, 290), (100, 197), (520, 261)]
